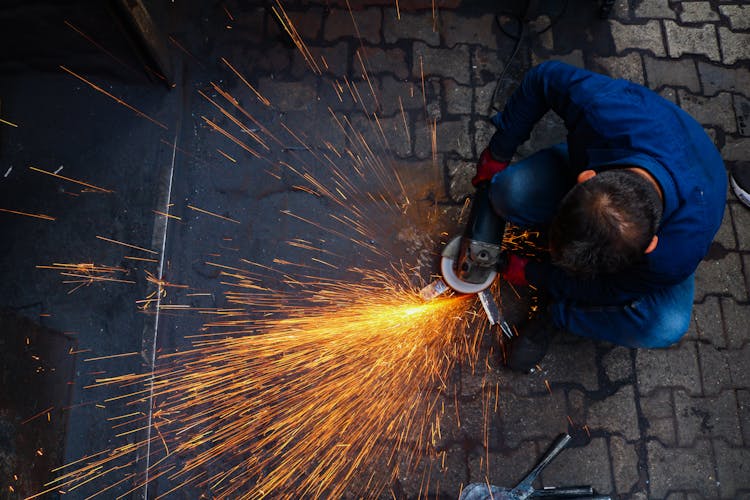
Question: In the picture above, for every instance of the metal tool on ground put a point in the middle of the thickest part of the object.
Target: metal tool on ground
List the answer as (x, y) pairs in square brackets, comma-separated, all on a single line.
[(525, 489), (470, 262)]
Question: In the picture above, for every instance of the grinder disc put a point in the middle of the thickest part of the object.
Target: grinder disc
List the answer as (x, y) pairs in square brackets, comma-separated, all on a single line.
[(449, 274)]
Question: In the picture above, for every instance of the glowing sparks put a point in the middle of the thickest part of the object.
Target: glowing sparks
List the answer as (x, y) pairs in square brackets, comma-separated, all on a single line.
[(27, 214), (213, 214), (87, 273), (114, 98), (55, 174), (6, 122)]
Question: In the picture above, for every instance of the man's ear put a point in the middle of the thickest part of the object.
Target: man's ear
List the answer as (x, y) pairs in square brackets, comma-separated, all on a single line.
[(652, 245), (586, 175)]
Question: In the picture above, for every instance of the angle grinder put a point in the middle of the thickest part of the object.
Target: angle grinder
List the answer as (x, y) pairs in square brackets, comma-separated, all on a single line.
[(470, 262)]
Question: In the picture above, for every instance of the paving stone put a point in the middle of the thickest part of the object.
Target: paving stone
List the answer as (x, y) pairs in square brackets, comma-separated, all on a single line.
[(483, 132), (453, 63), (638, 36), (289, 96), (684, 40), (709, 417), (524, 418), (715, 372), (618, 364), (736, 149), (681, 469), (720, 277), (656, 9), (460, 173), (458, 98), (506, 468), (717, 110), (669, 94), (365, 26), (737, 360), (334, 59), (380, 60), (397, 93), (486, 65), (624, 464), (452, 136), (616, 414), (481, 30), (483, 95), (670, 72), (706, 322), (658, 410), (574, 58), (410, 27), (306, 23), (628, 67), (676, 366), (725, 234), (583, 465), (737, 322), (566, 362), (398, 136), (717, 78), (697, 12), (732, 465), (742, 113), (738, 16), (733, 46), (550, 130), (743, 407), (577, 406), (677, 496), (433, 474)]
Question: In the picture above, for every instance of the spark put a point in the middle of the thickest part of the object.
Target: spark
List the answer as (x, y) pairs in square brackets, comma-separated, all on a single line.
[(27, 214), (127, 245), (55, 174), (222, 153), (288, 26), (6, 122), (111, 356), (201, 210), (262, 99), (46, 410), (116, 99)]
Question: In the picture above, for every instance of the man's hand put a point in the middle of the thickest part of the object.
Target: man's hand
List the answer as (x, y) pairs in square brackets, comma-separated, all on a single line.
[(515, 271), (487, 167)]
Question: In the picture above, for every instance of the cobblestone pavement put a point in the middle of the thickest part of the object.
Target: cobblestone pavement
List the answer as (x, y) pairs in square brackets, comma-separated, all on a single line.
[(669, 423)]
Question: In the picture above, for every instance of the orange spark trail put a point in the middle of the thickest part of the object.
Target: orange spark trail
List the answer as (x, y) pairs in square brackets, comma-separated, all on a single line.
[(116, 99), (212, 214), (26, 214), (95, 188)]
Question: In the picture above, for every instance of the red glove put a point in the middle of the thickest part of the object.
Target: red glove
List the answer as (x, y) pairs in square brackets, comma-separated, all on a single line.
[(515, 271), (487, 167)]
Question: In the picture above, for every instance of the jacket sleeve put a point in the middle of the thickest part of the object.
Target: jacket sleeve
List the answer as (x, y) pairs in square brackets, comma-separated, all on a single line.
[(552, 85)]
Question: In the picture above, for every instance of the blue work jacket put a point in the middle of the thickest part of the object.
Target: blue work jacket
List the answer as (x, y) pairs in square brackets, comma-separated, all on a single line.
[(613, 123)]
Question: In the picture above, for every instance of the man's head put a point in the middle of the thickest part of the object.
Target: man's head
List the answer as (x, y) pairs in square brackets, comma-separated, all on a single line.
[(606, 223)]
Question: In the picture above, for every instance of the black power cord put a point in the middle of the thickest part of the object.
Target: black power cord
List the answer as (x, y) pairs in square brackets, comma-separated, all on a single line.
[(521, 33)]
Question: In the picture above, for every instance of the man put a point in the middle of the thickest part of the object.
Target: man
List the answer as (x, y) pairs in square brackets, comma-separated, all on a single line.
[(630, 204)]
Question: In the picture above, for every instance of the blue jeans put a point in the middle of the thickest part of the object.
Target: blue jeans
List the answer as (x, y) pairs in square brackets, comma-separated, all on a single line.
[(527, 194)]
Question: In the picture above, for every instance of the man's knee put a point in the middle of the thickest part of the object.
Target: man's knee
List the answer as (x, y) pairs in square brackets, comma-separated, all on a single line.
[(668, 328), (509, 193)]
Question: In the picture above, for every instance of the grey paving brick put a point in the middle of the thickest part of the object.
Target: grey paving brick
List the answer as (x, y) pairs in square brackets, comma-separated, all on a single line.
[(457, 29), (577, 406), (673, 73), (486, 65), (482, 101), (584, 465), (738, 15), (697, 12), (638, 36), (628, 67), (655, 9), (624, 464), (566, 362), (737, 322), (460, 173), (458, 97), (505, 468), (534, 417), (707, 417), (720, 277), (395, 94), (453, 63), (616, 414), (718, 110), (550, 130), (574, 58), (399, 139), (658, 410), (715, 372), (687, 40), (676, 366), (725, 236), (618, 364), (736, 149), (452, 136), (681, 469), (742, 114), (410, 27), (706, 322), (743, 408), (677, 495), (717, 78), (737, 360), (379, 60), (733, 46), (732, 466), (333, 59), (289, 96), (434, 474), (308, 26)]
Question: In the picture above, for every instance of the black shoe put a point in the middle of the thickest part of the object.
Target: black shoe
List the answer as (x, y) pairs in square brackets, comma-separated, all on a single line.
[(528, 349)]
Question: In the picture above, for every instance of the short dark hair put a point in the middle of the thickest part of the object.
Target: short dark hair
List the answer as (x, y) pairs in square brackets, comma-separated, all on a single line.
[(605, 224)]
